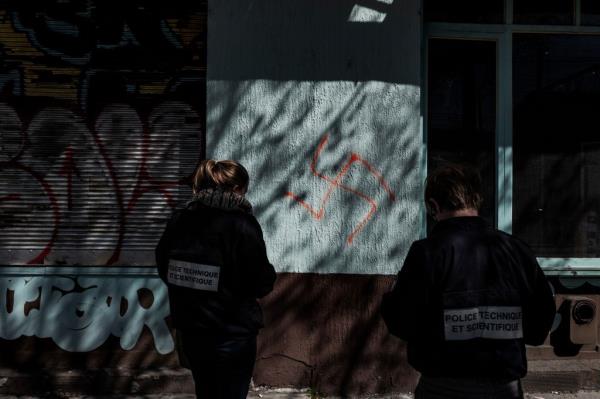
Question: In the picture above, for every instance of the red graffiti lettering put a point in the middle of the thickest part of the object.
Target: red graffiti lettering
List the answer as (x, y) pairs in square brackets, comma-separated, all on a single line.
[(39, 258), (67, 170), (335, 183), (10, 197), (149, 171)]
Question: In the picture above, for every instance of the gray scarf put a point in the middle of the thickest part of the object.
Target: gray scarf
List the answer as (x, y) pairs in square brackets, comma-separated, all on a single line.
[(216, 198)]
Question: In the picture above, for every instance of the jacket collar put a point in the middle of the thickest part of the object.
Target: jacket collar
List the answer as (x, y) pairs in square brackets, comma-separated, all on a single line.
[(461, 223), (220, 199)]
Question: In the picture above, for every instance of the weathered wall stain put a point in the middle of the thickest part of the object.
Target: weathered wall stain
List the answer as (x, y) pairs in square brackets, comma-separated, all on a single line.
[(80, 313), (335, 183)]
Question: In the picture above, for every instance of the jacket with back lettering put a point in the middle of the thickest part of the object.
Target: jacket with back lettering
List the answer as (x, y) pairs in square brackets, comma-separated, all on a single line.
[(214, 262), (467, 300)]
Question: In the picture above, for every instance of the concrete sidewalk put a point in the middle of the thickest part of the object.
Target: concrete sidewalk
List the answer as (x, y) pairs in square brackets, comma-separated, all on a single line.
[(295, 394), (547, 379), (283, 394)]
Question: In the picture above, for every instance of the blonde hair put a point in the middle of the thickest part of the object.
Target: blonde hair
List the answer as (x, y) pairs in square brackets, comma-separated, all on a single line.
[(225, 175)]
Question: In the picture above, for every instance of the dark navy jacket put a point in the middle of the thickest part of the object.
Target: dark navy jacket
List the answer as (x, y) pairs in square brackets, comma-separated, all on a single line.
[(467, 300), (215, 265)]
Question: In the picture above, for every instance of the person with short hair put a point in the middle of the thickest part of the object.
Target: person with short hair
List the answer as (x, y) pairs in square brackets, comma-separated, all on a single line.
[(468, 297), (212, 257)]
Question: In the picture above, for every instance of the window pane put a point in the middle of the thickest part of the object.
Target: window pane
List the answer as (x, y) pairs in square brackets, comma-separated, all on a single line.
[(544, 12), (556, 141), (590, 12), (462, 108), (467, 11)]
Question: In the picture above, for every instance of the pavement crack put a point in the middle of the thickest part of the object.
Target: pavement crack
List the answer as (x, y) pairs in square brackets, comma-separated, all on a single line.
[(287, 357)]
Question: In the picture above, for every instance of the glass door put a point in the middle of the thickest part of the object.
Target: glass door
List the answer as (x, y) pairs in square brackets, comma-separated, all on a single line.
[(513, 87), (462, 102), (556, 87)]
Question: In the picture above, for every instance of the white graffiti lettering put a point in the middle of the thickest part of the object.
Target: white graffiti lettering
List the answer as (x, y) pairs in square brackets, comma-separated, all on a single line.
[(79, 314)]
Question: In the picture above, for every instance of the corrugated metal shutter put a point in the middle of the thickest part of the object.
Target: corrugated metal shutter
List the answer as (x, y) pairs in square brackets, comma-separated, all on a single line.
[(101, 122)]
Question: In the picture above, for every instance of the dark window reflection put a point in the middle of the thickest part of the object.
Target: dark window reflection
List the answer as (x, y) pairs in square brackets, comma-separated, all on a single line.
[(557, 143), (466, 11), (462, 108), (590, 12), (544, 12)]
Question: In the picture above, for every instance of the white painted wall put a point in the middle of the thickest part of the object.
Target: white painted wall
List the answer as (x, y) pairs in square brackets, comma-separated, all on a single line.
[(295, 83)]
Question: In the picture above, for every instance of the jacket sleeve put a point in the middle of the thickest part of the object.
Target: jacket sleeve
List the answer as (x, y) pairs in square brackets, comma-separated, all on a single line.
[(257, 273), (403, 307), (163, 247), (539, 309)]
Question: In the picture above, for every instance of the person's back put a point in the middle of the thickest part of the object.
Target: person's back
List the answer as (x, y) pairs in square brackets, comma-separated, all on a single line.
[(210, 236), (467, 299), (212, 257)]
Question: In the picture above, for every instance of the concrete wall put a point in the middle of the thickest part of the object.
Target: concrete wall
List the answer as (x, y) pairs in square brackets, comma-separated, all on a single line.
[(322, 104), (321, 101)]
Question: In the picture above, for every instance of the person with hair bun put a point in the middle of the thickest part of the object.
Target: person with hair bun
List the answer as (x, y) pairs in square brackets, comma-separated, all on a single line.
[(213, 258)]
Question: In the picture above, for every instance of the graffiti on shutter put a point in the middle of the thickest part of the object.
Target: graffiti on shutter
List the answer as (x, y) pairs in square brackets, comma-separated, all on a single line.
[(101, 123)]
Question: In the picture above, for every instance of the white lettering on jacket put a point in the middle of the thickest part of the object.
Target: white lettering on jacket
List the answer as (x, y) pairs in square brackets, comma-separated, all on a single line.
[(194, 275), (492, 322)]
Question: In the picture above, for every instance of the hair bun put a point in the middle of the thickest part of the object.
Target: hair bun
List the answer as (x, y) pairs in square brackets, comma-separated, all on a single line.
[(225, 175)]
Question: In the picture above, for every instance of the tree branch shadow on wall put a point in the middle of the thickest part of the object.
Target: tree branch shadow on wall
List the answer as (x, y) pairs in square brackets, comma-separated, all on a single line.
[(281, 76), (325, 332)]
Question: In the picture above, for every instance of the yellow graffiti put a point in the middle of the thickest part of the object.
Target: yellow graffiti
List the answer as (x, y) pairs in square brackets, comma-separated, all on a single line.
[(39, 80)]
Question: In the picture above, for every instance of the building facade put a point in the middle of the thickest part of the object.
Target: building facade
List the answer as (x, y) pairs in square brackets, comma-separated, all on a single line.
[(337, 109)]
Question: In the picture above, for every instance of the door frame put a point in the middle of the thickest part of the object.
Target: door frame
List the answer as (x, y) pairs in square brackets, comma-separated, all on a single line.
[(502, 35)]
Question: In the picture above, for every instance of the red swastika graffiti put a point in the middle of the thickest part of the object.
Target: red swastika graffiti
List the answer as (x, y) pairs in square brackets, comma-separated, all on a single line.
[(335, 183)]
